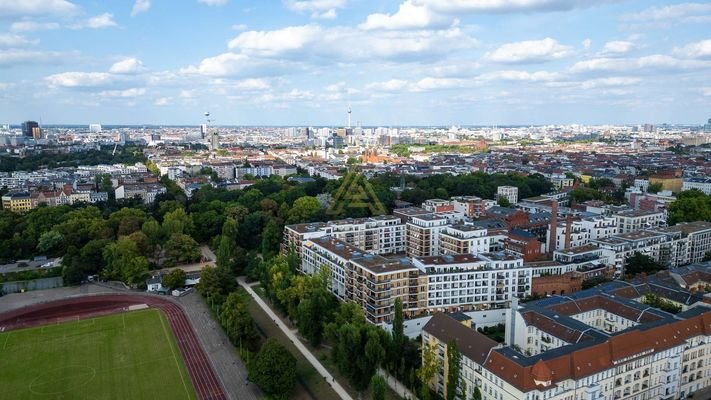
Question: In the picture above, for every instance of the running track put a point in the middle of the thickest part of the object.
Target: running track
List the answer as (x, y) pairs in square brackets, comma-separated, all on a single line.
[(204, 379)]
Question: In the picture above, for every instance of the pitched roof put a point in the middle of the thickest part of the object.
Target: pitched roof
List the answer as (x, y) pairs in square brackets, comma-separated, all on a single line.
[(470, 343)]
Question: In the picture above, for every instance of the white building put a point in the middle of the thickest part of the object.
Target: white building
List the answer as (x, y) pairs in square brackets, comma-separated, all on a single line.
[(702, 184), (510, 193), (636, 220)]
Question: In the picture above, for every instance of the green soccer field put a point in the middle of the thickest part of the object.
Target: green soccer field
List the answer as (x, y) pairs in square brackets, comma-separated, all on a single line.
[(131, 355)]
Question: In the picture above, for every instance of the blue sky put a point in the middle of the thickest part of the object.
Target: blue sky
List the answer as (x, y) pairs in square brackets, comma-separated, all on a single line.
[(400, 62)]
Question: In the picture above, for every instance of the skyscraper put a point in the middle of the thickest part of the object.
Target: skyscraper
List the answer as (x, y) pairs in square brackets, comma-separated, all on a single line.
[(28, 128), (203, 130), (707, 127)]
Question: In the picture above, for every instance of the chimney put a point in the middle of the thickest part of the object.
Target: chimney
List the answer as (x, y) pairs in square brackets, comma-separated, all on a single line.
[(568, 223), (553, 228)]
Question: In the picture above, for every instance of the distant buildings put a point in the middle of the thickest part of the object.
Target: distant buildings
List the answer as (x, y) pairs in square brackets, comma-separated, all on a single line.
[(145, 191), (31, 129)]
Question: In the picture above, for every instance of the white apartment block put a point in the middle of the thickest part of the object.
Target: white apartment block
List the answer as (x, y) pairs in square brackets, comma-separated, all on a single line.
[(702, 184), (585, 230), (637, 220), (510, 193), (376, 235), (464, 239)]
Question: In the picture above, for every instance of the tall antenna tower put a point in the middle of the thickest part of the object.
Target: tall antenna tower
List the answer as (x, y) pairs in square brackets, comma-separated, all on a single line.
[(349, 116)]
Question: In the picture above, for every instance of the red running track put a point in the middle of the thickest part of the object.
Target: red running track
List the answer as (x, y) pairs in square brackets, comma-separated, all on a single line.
[(204, 379)]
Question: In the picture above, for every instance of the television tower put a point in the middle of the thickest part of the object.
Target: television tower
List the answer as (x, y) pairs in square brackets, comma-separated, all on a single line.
[(349, 116)]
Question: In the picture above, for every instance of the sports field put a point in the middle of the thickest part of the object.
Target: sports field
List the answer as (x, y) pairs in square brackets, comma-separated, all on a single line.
[(131, 355)]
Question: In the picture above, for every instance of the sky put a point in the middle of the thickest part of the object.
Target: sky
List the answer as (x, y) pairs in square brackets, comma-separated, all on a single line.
[(393, 62)]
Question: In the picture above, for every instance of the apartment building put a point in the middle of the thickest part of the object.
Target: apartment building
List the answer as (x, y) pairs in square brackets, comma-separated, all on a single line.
[(471, 206), (383, 234), (699, 183), (423, 235), (145, 191), (438, 205), (464, 239), (465, 282), (17, 202), (637, 220), (586, 345), (696, 237), (510, 193), (372, 281), (462, 282), (584, 230)]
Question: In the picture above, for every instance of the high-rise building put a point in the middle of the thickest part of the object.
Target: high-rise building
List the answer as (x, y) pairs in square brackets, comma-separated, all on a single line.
[(203, 130), (94, 128), (214, 141), (707, 127), (28, 128)]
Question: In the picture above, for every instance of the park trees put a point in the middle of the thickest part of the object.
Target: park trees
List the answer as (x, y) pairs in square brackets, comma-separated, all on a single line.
[(174, 279), (237, 322), (181, 249), (378, 386), (454, 366), (124, 263), (273, 369)]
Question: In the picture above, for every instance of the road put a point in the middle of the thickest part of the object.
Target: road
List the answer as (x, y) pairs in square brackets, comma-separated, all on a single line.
[(290, 334)]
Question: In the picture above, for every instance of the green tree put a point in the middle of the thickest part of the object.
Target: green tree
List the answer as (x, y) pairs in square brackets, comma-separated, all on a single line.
[(273, 369), (707, 257), (305, 209), (181, 249), (379, 387), (49, 241), (640, 263), (427, 371), (503, 202), (454, 366), (124, 263), (215, 284), (690, 205), (271, 239), (398, 333), (177, 221), (238, 323), (654, 188), (174, 279)]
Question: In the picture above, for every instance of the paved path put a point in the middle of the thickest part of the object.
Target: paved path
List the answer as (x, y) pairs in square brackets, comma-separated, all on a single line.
[(223, 357), (300, 346), (395, 385)]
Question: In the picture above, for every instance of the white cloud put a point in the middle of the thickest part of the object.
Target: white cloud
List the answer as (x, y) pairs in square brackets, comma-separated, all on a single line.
[(586, 43), (252, 84), (214, 3), (335, 87), (684, 12), (391, 85), (13, 40), (511, 75), (656, 62), (528, 51), (30, 26), (320, 9), (13, 57), (127, 66), (612, 81), (140, 6), (163, 101), (700, 49), (239, 27), (507, 6), (408, 16), (105, 20), (234, 64), (6, 86), (128, 93), (186, 94), (430, 83), (80, 79), (277, 41), (350, 45), (617, 47), (14, 8), (706, 91)]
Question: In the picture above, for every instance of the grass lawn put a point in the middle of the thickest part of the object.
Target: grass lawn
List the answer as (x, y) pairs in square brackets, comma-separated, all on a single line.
[(130, 355)]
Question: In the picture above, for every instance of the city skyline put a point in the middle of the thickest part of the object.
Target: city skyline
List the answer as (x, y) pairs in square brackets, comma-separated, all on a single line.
[(405, 63)]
